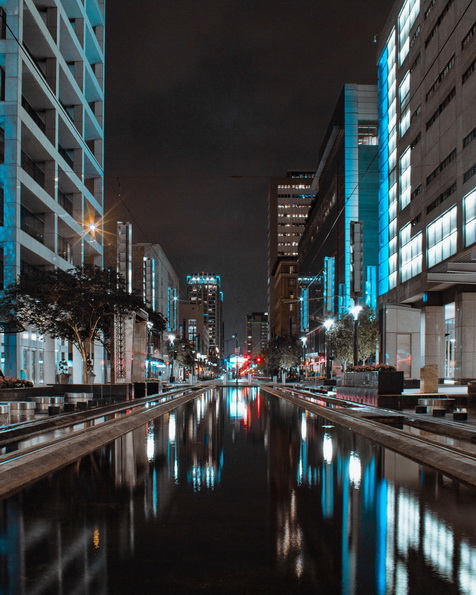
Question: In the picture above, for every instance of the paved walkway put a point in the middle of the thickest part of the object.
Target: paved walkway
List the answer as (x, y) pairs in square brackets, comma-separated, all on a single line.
[(449, 390)]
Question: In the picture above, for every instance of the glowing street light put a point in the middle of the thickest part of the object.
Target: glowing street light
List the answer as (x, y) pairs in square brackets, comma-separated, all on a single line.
[(328, 324), (355, 311), (171, 338), (304, 342)]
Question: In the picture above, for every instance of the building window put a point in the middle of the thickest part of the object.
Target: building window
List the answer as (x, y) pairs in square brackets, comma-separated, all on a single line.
[(443, 196), (442, 237), (469, 36), (2, 204), (469, 204), (2, 145), (405, 178), (468, 72), (404, 91), (411, 255), (406, 18), (443, 74), (467, 139), (443, 105), (443, 13), (469, 174), (368, 133), (405, 121), (451, 157)]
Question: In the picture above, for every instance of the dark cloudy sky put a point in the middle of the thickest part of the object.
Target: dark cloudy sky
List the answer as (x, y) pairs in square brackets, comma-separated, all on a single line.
[(207, 99)]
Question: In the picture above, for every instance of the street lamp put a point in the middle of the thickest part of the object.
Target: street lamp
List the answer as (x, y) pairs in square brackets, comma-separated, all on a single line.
[(171, 338), (355, 311), (328, 324), (303, 357)]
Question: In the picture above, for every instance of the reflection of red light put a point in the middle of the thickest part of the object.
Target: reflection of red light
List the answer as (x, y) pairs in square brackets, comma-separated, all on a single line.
[(259, 406), (245, 419)]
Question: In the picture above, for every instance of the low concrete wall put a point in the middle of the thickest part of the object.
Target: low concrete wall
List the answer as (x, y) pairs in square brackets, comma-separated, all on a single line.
[(114, 392)]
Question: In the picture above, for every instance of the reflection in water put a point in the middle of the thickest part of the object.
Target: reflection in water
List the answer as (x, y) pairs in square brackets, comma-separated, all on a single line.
[(244, 493)]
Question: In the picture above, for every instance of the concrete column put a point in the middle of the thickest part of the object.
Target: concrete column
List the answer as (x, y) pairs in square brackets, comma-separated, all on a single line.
[(465, 336), (433, 337)]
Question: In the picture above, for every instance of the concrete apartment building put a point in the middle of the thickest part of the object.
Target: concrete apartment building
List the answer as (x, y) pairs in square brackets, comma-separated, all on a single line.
[(51, 150), (427, 194), (205, 288), (289, 200), (338, 252)]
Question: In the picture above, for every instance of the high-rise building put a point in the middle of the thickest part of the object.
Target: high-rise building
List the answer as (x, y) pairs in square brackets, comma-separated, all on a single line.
[(256, 333), (205, 288), (427, 195), (51, 155), (289, 200), (338, 252)]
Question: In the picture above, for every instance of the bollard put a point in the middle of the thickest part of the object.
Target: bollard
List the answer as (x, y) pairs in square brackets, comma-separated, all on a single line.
[(54, 410)]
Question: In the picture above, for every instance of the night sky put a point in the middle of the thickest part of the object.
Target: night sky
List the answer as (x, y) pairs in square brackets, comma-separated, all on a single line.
[(205, 100)]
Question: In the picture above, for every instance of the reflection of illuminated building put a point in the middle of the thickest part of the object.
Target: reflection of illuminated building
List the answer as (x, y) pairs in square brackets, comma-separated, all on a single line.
[(385, 509)]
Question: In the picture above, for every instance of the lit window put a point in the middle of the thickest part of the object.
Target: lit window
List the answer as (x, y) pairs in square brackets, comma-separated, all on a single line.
[(406, 18), (442, 237), (404, 91), (405, 121), (411, 255), (469, 203), (405, 181)]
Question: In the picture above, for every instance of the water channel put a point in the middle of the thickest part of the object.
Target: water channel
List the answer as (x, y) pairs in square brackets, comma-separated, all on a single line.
[(240, 492)]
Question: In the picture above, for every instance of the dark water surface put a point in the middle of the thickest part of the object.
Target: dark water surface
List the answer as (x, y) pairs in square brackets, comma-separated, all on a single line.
[(239, 492)]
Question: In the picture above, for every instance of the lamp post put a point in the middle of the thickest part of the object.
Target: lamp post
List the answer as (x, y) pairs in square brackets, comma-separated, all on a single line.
[(171, 338), (303, 356), (237, 351), (328, 324), (355, 311)]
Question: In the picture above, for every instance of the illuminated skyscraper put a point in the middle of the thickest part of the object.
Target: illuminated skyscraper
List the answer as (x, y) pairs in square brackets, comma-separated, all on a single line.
[(427, 195), (338, 253), (205, 288), (51, 153)]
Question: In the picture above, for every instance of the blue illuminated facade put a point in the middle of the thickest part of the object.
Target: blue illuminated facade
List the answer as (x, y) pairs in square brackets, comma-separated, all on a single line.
[(346, 189), (427, 187)]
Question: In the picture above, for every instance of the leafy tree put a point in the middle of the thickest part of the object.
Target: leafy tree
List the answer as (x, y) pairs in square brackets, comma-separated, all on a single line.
[(340, 337), (184, 354), (283, 353), (368, 334), (78, 305)]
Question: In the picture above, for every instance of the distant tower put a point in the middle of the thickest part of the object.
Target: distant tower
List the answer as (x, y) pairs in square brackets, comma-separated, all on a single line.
[(205, 288), (256, 333), (289, 201)]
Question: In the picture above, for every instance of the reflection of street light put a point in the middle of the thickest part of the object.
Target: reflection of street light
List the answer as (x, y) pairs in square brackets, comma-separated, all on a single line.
[(328, 324), (355, 311), (148, 372), (237, 351), (303, 356), (171, 338)]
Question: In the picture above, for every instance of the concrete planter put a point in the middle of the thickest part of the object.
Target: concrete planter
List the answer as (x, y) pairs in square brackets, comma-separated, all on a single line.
[(386, 383), (380, 389)]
